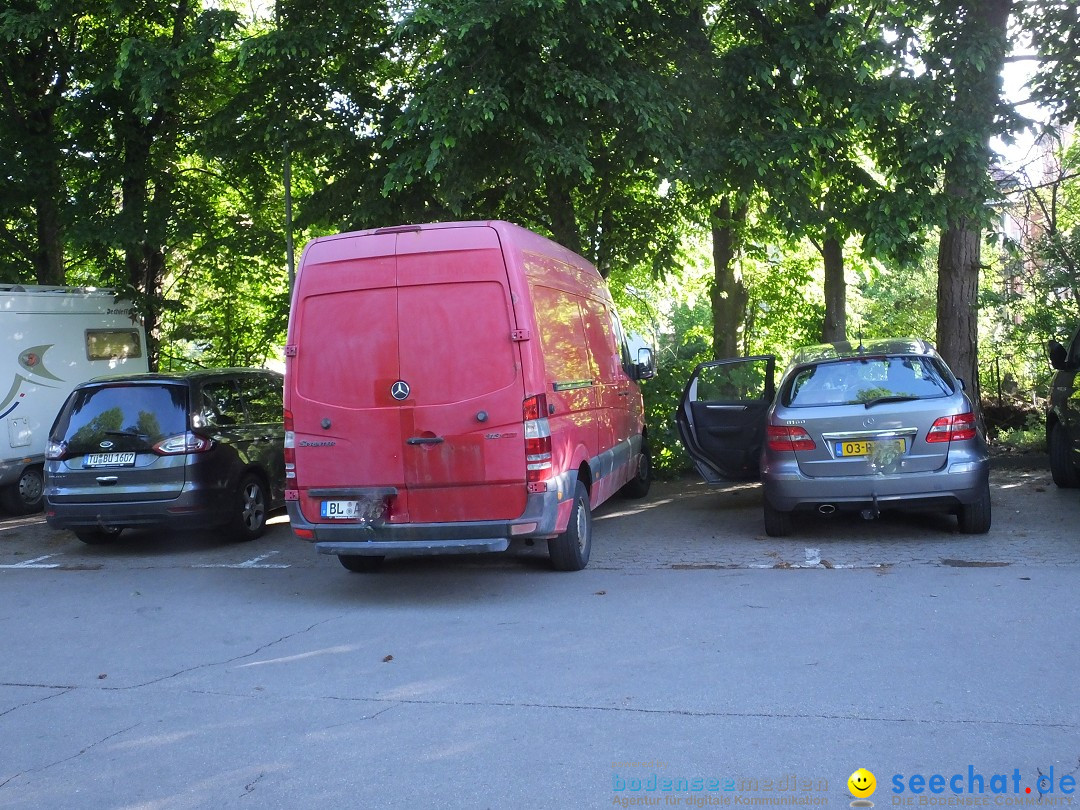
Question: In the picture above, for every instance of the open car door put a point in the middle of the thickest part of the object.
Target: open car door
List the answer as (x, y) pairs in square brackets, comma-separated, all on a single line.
[(721, 416)]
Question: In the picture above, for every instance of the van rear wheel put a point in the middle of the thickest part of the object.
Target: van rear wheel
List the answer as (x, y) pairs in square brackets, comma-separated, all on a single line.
[(570, 550), (638, 486), (26, 495), (361, 564)]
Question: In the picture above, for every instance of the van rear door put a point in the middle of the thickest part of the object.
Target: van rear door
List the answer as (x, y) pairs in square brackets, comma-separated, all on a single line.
[(408, 376)]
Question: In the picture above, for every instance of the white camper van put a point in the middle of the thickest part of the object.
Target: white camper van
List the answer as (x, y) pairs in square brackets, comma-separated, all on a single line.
[(52, 339)]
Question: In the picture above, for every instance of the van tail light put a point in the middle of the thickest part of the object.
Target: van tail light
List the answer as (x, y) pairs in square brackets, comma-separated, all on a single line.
[(952, 428), (789, 438), (182, 444), (537, 439), (290, 452)]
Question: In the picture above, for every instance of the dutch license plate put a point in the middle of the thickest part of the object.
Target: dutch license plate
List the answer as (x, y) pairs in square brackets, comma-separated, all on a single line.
[(866, 448), (340, 510), (109, 460)]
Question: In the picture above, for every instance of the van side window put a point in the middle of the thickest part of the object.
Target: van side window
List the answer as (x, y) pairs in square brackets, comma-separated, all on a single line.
[(263, 397), (620, 340), (558, 317), (221, 405)]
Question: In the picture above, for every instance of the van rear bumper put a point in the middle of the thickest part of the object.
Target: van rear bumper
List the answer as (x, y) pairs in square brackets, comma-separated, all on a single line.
[(416, 539)]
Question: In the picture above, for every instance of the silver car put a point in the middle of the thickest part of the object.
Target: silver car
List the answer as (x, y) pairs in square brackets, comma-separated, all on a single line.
[(880, 425)]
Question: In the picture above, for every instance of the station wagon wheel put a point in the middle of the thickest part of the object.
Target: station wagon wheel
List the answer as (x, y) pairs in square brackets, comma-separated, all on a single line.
[(1062, 468), (974, 518), (26, 494), (98, 536), (361, 564), (570, 550), (638, 486), (250, 519), (777, 523)]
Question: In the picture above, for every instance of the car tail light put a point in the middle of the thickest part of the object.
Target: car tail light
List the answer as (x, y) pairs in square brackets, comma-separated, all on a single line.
[(183, 443), (789, 438), (290, 452), (537, 439), (55, 450), (952, 428)]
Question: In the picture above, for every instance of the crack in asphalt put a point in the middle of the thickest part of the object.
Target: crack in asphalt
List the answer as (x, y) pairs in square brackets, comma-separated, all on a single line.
[(225, 662), (73, 756), (60, 690)]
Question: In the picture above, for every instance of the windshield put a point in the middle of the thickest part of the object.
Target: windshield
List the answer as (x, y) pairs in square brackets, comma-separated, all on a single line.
[(130, 417), (866, 380)]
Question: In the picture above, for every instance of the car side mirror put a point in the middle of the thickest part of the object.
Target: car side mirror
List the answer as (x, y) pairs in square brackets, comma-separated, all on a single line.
[(646, 363), (1059, 358)]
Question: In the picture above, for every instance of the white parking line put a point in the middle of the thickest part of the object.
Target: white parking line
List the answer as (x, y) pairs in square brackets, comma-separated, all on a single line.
[(249, 564), (34, 563)]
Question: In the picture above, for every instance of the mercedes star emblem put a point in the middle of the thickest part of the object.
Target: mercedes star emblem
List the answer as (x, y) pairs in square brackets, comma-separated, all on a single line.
[(400, 390)]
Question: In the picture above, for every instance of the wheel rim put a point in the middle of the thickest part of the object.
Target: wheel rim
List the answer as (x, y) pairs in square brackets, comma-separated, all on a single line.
[(643, 467), (582, 524), (254, 509), (30, 488)]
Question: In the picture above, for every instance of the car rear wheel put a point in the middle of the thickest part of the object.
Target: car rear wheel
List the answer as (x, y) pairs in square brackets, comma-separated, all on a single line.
[(99, 536), (25, 495), (1062, 468), (974, 518), (570, 550), (777, 523), (249, 521), (638, 486), (361, 564)]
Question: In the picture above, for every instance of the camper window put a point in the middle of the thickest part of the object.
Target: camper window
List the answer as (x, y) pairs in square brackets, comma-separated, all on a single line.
[(107, 344)]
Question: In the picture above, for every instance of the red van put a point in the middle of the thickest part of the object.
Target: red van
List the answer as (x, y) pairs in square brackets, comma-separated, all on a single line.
[(453, 386)]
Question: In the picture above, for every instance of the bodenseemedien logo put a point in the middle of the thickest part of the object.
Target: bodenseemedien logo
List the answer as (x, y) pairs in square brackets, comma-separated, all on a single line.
[(862, 785)]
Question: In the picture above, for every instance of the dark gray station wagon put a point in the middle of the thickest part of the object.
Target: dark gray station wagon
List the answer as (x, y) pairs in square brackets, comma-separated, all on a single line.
[(184, 451)]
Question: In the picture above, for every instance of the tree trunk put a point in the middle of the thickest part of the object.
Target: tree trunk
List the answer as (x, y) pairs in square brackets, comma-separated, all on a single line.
[(49, 256), (835, 327), (728, 294), (979, 58), (564, 226), (959, 259)]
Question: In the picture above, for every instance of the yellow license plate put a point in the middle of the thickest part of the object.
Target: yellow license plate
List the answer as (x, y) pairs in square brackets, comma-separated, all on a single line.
[(869, 448)]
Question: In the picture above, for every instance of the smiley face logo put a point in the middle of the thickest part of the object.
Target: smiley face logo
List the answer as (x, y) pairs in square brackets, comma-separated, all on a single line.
[(862, 784)]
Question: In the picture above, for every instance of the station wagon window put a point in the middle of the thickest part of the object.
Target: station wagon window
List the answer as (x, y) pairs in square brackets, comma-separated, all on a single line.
[(263, 397), (221, 404), (864, 379), (131, 417), (112, 344)]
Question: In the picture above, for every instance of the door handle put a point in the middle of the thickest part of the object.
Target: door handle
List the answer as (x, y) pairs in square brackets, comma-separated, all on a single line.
[(425, 440), (107, 480)]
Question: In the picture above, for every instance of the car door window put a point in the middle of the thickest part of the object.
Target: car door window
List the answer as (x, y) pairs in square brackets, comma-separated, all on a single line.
[(262, 394), (221, 404)]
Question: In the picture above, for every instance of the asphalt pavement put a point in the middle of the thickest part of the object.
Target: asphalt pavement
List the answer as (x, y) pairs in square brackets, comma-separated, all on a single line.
[(695, 662)]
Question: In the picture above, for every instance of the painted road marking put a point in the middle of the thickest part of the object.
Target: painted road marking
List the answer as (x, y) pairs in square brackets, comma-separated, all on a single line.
[(34, 563), (255, 563)]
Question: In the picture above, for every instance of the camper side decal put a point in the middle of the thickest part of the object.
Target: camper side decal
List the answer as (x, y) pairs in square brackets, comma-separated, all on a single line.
[(32, 361)]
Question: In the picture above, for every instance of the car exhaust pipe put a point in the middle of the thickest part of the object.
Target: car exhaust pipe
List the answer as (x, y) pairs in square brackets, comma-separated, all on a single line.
[(826, 509)]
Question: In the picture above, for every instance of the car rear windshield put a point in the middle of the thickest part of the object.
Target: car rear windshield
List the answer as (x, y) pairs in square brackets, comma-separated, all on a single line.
[(120, 418), (867, 380)]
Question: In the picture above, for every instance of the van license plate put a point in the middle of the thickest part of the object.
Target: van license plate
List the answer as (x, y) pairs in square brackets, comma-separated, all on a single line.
[(869, 448), (340, 510), (109, 460)]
